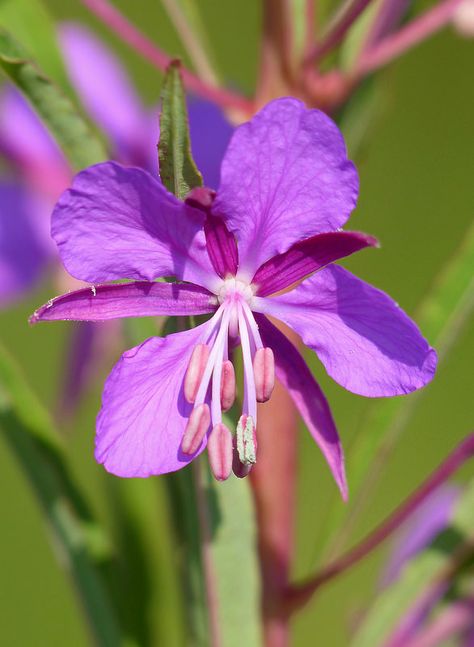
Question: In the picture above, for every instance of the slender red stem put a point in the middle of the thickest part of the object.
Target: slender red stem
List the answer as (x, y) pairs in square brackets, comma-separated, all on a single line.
[(299, 594), (416, 31), (127, 32), (337, 30), (273, 482)]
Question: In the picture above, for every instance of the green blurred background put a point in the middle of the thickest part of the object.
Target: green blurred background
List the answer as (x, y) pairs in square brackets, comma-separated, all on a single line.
[(417, 196)]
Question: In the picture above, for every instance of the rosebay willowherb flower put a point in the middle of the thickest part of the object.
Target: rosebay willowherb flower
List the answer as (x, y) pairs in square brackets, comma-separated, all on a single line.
[(286, 189)]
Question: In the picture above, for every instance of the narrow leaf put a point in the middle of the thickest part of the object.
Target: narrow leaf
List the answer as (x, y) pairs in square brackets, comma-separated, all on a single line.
[(178, 171), (33, 26), (31, 436), (71, 132), (423, 575), (236, 564)]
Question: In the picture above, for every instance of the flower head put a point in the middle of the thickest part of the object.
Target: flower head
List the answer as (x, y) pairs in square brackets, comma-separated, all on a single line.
[(286, 189)]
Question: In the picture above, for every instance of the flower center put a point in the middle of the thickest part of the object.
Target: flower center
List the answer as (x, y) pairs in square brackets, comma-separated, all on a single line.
[(209, 383)]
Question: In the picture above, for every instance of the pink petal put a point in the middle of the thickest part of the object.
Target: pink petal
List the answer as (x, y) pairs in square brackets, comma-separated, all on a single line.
[(285, 177), (293, 373), (144, 412), (137, 299), (117, 222), (363, 338)]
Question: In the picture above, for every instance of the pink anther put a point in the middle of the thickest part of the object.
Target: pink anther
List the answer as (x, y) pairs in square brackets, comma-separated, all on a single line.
[(195, 371), (227, 385), (264, 372), (196, 429), (219, 448)]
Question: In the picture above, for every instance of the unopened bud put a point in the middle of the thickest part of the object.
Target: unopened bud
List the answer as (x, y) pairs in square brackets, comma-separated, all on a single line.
[(227, 385), (246, 440), (196, 429), (195, 371), (219, 448), (264, 372)]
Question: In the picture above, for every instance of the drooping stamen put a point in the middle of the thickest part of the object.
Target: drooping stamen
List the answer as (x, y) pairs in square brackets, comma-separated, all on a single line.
[(240, 470), (246, 440), (228, 389), (264, 372), (196, 429), (195, 371), (219, 448)]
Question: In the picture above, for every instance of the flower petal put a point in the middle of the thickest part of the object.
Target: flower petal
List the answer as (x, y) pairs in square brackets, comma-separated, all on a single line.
[(106, 92), (25, 141), (363, 338), (430, 519), (23, 256), (285, 177), (210, 135), (144, 412), (293, 373), (116, 222), (137, 299), (308, 256)]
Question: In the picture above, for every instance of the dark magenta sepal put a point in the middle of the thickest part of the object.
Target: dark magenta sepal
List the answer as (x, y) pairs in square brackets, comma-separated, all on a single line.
[(220, 242), (308, 256)]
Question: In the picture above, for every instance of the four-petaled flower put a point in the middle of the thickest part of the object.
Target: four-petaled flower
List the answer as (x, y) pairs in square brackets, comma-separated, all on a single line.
[(286, 189)]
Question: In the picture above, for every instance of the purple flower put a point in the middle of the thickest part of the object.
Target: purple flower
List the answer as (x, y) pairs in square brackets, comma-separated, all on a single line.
[(286, 189)]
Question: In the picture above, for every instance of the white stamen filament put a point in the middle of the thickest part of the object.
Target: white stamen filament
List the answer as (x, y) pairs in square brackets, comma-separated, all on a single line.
[(250, 397)]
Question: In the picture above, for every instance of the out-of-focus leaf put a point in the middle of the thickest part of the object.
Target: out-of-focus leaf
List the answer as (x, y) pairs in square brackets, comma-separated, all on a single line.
[(32, 24), (421, 572), (178, 171), (71, 132), (187, 20), (31, 436), (236, 565), (441, 317)]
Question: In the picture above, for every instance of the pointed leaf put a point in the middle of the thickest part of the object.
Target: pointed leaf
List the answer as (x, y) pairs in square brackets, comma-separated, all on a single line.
[(59, 115), (31, 436), (178, 171)]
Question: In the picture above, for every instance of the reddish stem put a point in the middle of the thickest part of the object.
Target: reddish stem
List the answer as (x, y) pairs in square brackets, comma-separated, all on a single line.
[(273, 483), (416, 31), (337, 30), (127, 32), (298, 595)]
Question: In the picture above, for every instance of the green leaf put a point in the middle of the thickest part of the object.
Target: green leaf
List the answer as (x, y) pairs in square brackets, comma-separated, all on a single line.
[(31, 436), (33, 26), (178, 171), (236, 564), (441, 317), (59, 115), (421, 572)]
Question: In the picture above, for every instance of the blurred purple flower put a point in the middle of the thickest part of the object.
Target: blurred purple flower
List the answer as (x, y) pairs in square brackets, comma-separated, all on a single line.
[(418, 627), (286, 188), (39, 172), (431, 518)]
